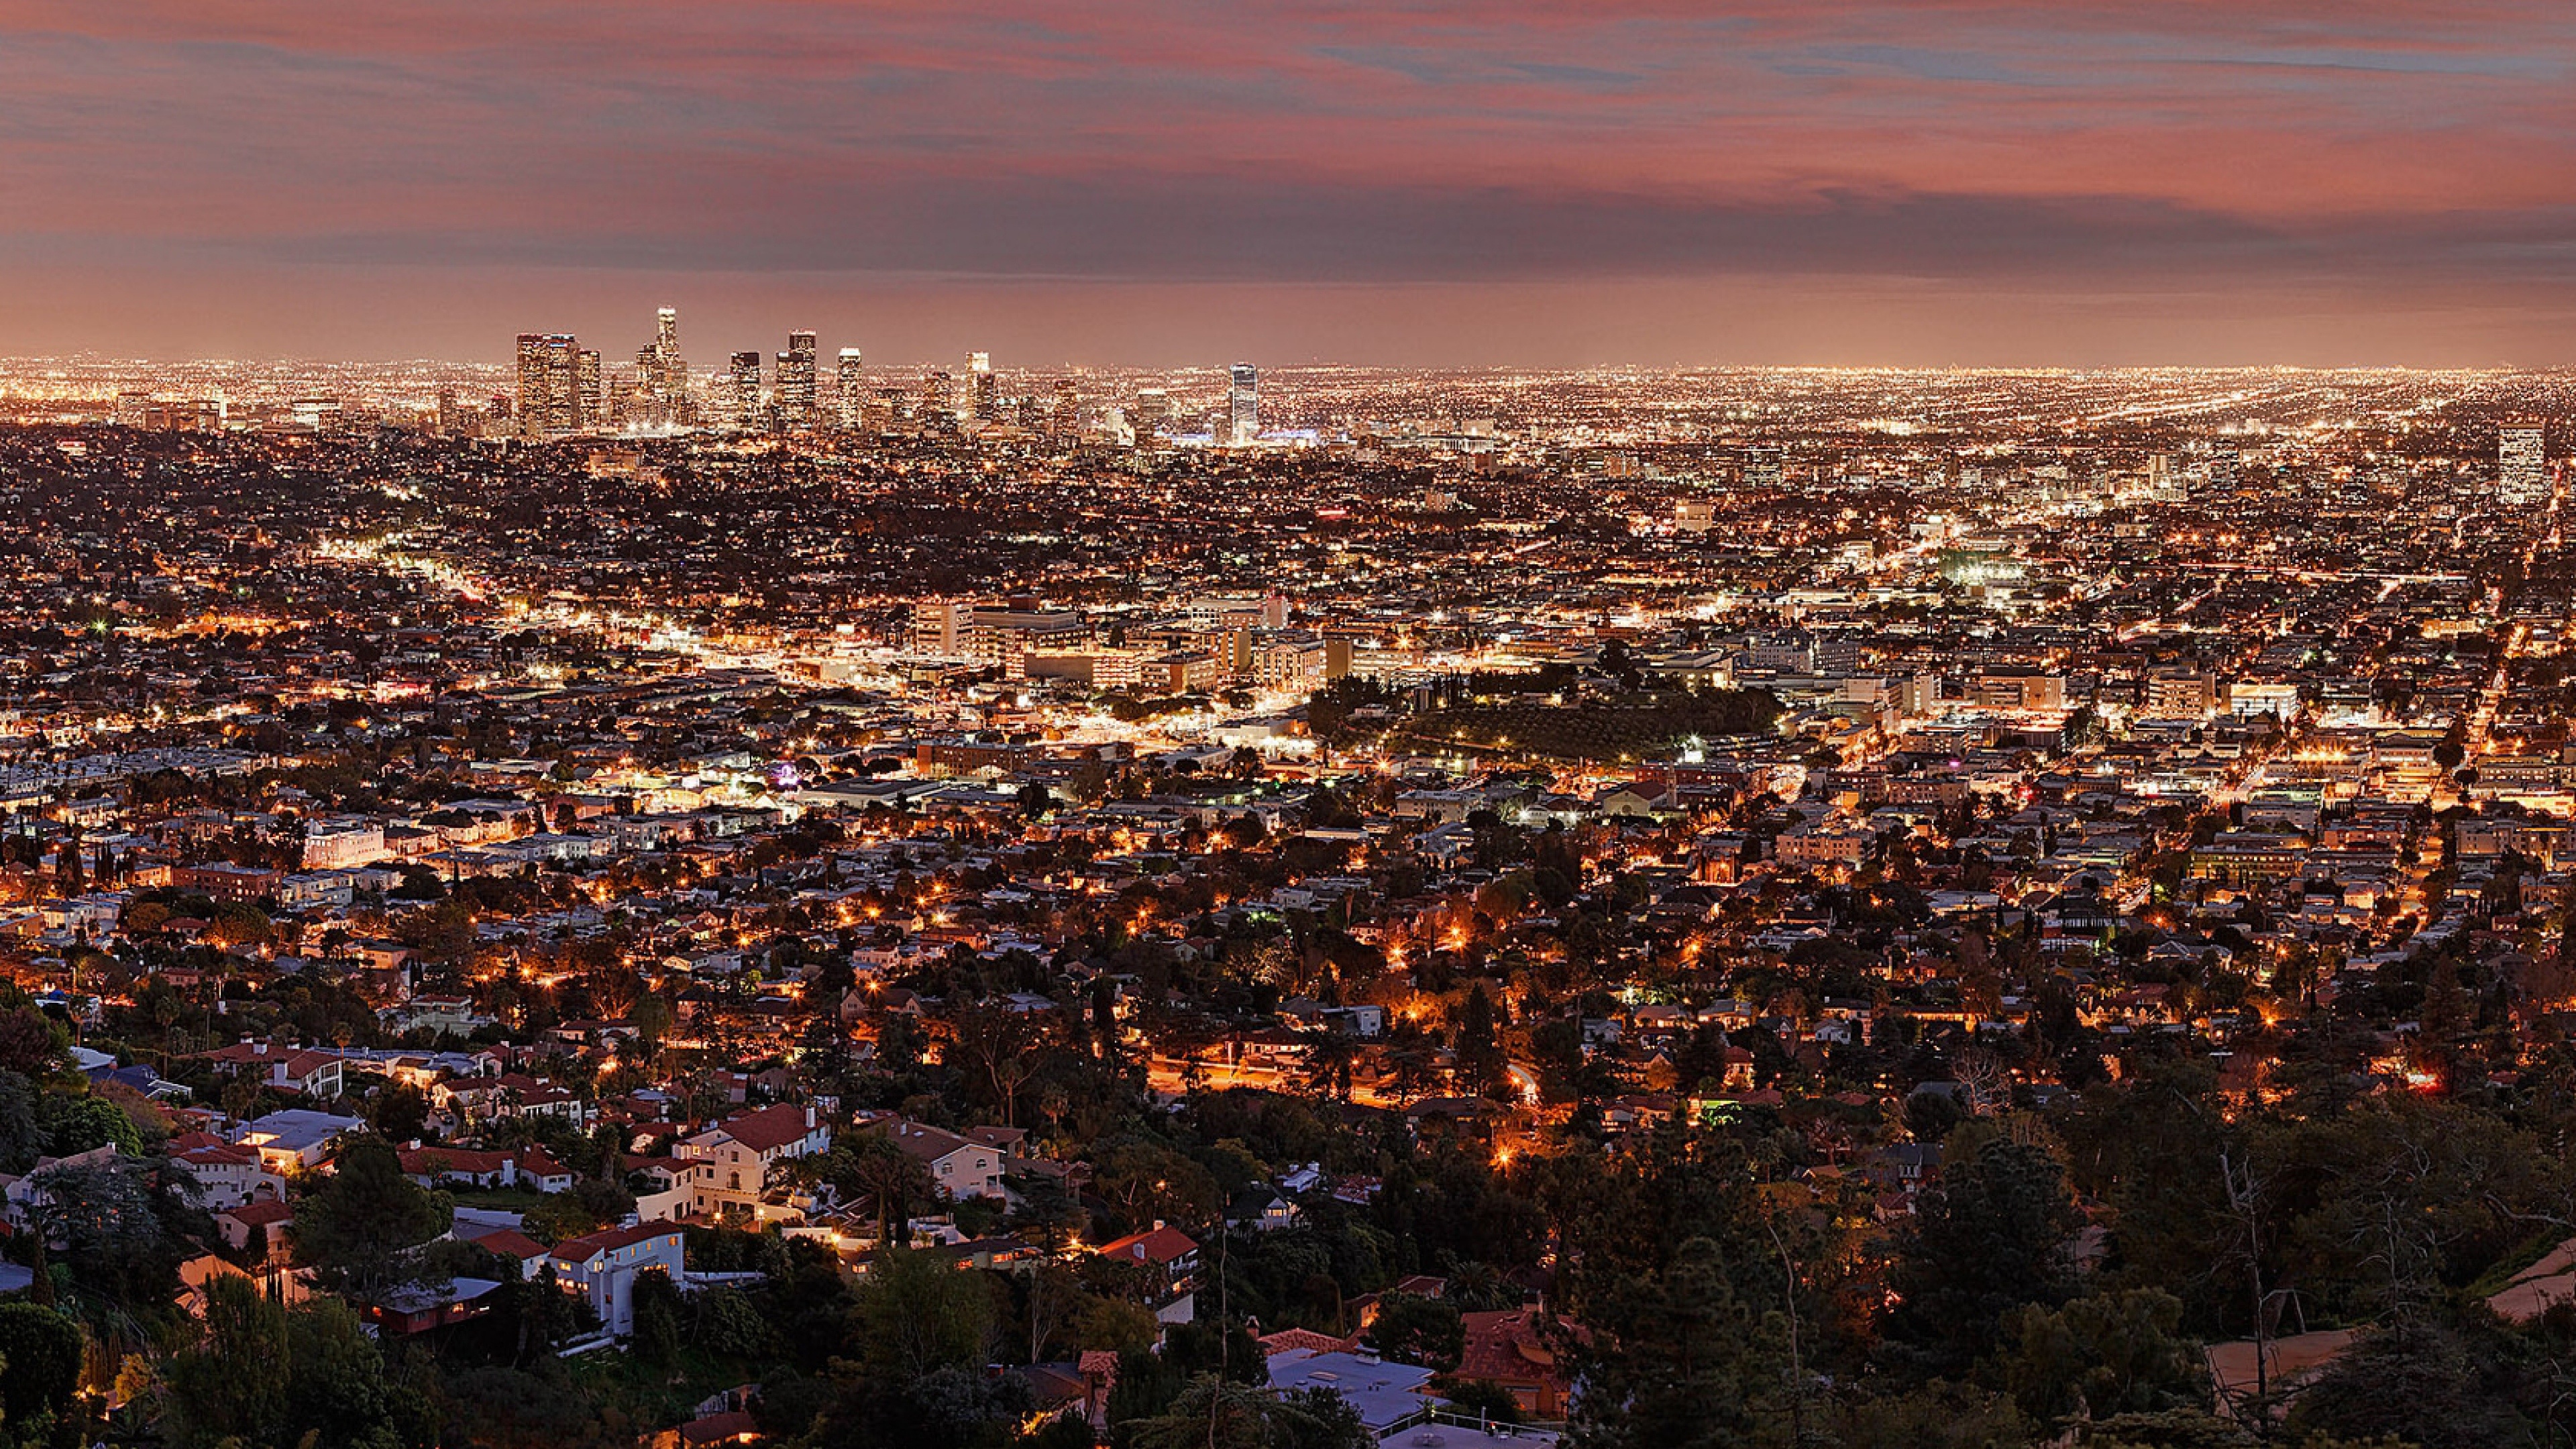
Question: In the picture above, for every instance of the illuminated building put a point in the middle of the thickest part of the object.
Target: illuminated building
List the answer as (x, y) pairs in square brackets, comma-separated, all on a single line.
[(851, 391), (663, 374), (2522, 470), (985, 400), (549, 368), (1068, 409), (796, 380), (1242, 404), (745, 380)]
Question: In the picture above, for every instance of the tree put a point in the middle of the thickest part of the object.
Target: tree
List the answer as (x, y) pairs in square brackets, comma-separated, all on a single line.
[(22, 1135), (1479, 1048), (359, 1229), (40, 1363), (1215, 1413), (891, 1179), (1679, 1360), (1001, 1045), (916, 1314), (1412, 1328), (651, 1017), (232, 1385), (124, 1224), (1990, 1236), (401, 1113), (2116, 1353), (1326, 1061), (1145, 1180), (32, 1044), (2417, 1380), (658, 1311), (268, 1374)]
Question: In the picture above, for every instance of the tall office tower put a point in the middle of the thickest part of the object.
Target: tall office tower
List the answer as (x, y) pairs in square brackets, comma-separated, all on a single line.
[(661, 370), (549, 383), (850, 393), (796, 380), (1153, 409), (1243, 405), (2522, 468), (746, 389), (984, 391), (1067, 420), (591, 407), (938, 397)]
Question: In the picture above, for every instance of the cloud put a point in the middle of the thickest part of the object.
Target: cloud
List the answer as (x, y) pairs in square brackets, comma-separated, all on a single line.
[(2114, 143)]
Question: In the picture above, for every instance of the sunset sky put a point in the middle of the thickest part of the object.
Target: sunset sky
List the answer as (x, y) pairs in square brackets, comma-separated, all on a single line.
[(2083, 182)]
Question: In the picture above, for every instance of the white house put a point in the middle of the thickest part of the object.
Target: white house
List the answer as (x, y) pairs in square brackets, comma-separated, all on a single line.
[(733, 1164), (603, 1267)]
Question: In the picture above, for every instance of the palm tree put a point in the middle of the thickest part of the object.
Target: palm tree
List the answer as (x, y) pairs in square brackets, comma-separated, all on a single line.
[(892, 1180)]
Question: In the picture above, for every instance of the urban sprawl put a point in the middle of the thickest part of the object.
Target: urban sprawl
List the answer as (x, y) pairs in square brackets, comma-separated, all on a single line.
[(566, 903)]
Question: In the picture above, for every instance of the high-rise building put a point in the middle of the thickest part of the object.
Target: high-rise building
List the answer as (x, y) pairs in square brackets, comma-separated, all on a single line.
[(850, 394), (592, 406), (2522, 466), (1066, 423), (549, 366), (984, 400), (1153, 409), (1243, 405), (662, 377), (938, 397), (745, 380), (939, 627), (796, 367)]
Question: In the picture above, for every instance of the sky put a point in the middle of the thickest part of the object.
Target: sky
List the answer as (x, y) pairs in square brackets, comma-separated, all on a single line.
[(1408, 182)]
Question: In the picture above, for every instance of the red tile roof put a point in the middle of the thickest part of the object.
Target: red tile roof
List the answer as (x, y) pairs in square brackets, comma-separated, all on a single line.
[(1161, 1247)]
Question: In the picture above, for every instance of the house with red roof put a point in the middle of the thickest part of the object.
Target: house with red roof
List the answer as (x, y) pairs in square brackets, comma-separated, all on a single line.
[(1516, 1348), (734, 1164), (1174, 1257), (603, 1267), (302, 1070), (227, 1176)]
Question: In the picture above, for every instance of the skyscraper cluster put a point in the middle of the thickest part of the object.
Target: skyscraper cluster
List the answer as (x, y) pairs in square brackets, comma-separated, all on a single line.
[(561, 390), (559, 385), (662, 375)]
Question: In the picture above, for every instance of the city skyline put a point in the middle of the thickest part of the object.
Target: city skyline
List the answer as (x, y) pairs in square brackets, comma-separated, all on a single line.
[(1635, 184)]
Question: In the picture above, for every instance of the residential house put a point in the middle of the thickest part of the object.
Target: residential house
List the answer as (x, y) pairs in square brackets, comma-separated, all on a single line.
[(735, 1163), (603, 1267)]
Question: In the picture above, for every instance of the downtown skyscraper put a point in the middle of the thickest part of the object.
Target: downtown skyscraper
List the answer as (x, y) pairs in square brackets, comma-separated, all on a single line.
[(662, 376), (1242, 405), (984, 391), (796, 380), (850, 391), (744, 386), (550, 378)]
